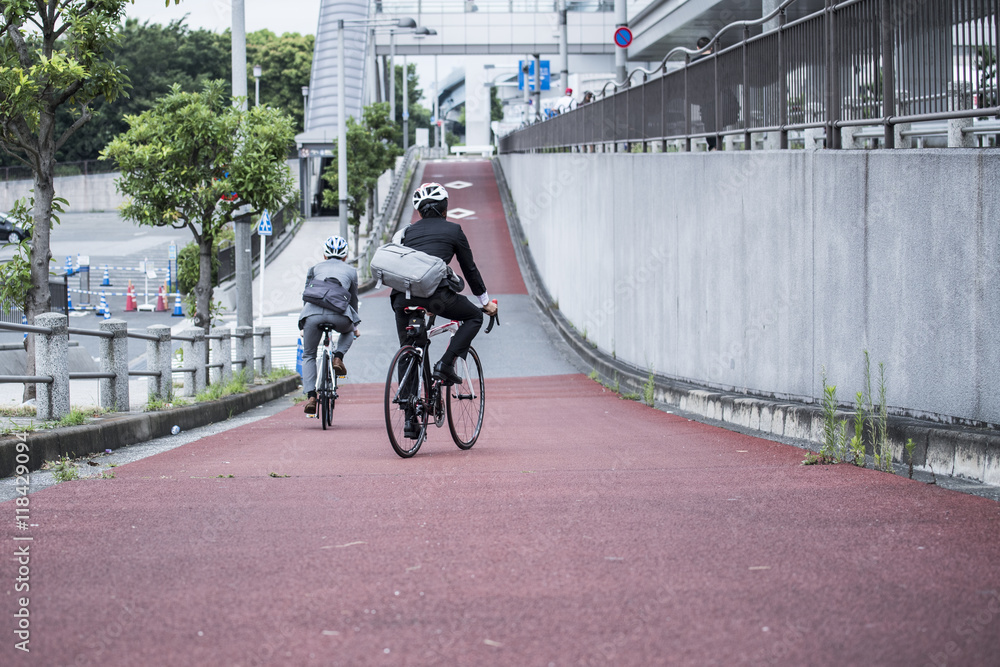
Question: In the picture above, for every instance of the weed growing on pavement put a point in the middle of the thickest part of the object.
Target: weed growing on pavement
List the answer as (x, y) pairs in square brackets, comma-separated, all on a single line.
[(834, 430), (632, 396), (857, 443), (881, 448), (649, 390), (279, 373), (594, 376), (910, 446), (63, 470), (74, 418), (871, 424), (18, 411), (108, 474), (274, 474), (236, 385)]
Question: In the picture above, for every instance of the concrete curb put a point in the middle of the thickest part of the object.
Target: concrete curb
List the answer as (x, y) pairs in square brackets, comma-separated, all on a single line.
[(117, 430), (963, 452)]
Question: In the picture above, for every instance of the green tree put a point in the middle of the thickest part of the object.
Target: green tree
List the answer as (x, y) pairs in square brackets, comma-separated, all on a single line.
[(53, 55), (286, 62), (193, 160), (420, 116), (370, 151), (155, 58)]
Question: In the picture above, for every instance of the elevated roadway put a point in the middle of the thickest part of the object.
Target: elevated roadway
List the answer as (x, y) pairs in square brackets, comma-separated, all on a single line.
[(581, 529)]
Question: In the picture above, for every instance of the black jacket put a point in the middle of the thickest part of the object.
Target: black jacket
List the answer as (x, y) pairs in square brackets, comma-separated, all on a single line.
[(440, 238)]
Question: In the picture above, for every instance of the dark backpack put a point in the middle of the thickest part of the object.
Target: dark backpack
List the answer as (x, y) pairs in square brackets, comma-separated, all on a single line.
[(329, 294)]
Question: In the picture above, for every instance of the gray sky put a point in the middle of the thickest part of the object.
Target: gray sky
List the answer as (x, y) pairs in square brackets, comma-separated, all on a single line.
[(216, 15)]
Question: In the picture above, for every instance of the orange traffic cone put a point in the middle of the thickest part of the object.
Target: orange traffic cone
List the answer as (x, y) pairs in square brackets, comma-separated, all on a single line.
[(130, 298), (160, 303)]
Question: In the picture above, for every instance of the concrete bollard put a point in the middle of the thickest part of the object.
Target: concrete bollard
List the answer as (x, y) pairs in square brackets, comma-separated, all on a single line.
[(195, 357), (222, 352), (244, 350), (956, 137), (52, 359), (114, 359), (159, 354), (262, 349)]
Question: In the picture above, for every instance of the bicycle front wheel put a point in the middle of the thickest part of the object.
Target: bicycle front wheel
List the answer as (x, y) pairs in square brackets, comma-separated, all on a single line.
[(467, 401), (406, 402)]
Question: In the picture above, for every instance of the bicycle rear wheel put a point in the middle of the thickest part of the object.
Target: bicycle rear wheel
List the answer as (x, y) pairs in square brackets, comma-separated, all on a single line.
[(406, 398), (466, 402), (324, 403)]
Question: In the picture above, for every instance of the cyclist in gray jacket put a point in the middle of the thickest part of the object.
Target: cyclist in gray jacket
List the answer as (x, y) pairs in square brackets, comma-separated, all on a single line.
[(313, 317)]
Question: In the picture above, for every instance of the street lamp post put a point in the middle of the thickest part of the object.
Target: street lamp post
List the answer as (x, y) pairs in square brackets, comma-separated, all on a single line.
[(406, 109), (342, 108), (304, 161), (257, 71), (392, 76)]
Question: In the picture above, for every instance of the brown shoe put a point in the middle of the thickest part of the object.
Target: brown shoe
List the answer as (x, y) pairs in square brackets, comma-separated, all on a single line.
[(310, 408), (339, 368)]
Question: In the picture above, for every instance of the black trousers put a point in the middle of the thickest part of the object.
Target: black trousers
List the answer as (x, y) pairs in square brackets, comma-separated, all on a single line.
[(445, 304)]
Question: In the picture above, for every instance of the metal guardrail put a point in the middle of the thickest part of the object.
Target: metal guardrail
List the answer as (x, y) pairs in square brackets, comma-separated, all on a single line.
[(390, 212), (853, 64)]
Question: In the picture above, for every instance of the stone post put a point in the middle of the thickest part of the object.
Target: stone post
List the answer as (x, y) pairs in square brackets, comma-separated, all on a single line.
[(222, 352), (901, 141), (263, 348), (847, 139), (957, 138), (158, 358), (194, 358), (114, 359), (244, 350), (52, 359)]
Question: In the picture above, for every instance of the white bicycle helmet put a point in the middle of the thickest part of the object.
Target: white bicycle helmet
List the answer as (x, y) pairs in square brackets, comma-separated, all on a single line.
[(429, 192), (336, 246)]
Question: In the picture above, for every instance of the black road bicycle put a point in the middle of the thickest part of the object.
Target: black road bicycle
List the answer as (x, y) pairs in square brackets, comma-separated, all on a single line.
[(326, 380), (413, 395)]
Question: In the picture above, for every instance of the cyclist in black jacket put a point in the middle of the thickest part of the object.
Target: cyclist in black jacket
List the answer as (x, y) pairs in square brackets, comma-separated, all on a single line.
[(436, 236)]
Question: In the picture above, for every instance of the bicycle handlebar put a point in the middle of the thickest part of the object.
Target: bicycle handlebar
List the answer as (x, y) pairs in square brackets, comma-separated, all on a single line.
[(494, 319)]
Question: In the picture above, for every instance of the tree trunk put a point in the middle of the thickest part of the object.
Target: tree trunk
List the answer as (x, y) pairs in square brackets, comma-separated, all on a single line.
[(203, 291), (39, 298)]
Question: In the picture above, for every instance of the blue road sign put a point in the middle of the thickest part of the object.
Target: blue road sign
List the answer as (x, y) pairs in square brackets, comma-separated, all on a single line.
[(531, 74), (264, 227)]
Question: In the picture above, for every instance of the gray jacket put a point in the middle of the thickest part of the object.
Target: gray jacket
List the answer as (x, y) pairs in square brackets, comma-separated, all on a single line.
[(346, 274)]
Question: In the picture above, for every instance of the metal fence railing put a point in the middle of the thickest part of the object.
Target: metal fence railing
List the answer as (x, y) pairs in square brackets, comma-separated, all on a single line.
[(13, 313), (390, 212), (279, 223), (856, 63), (77, 168)]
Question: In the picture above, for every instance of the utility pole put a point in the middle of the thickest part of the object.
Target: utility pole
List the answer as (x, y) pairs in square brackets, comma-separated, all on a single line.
[(244, 258)]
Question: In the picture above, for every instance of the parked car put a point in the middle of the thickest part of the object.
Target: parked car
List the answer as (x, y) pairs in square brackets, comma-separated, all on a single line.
[(11, 230)]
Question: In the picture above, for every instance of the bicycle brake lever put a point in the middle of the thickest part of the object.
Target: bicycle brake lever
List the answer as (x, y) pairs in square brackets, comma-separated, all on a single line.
[(494, 319)]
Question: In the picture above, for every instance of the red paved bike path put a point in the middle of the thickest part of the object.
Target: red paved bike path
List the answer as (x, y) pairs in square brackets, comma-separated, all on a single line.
[(581, 529)]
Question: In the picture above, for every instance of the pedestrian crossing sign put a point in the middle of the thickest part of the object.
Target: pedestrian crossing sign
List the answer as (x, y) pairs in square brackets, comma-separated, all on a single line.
[(264, 227)]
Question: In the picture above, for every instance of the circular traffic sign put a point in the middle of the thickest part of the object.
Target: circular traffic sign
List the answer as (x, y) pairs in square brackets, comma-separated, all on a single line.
[(623, 37)]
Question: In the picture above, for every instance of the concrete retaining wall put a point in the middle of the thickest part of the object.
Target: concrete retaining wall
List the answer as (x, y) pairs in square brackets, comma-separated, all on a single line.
[(751, 272), (95, 192)]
